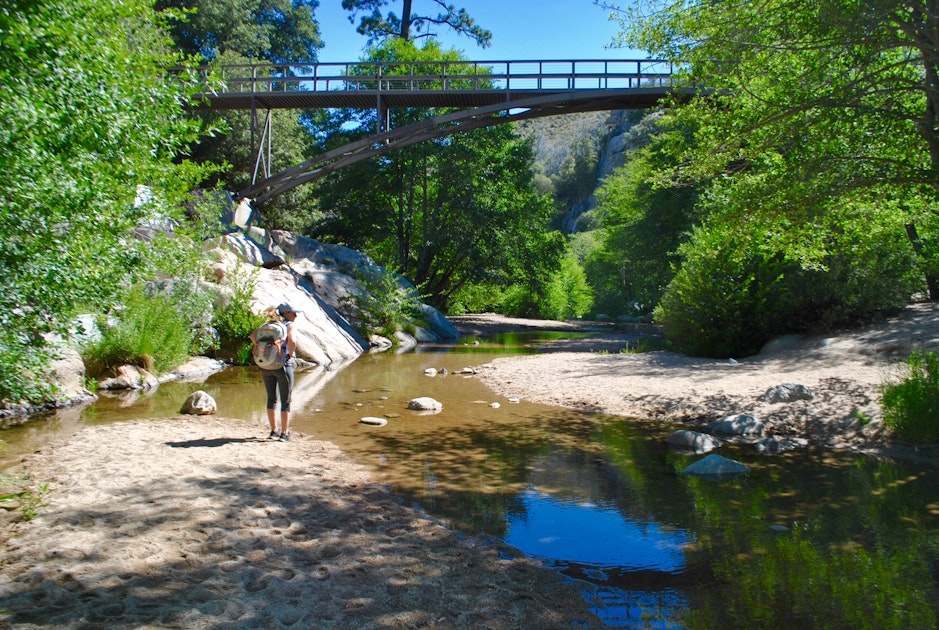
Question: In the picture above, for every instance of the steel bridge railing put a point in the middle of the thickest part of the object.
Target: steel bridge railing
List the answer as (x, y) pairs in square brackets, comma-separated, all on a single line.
[(549, 75)]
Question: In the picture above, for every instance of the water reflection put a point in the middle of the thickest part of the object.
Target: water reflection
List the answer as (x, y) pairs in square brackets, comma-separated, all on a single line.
[(808, 539), (564, 533)]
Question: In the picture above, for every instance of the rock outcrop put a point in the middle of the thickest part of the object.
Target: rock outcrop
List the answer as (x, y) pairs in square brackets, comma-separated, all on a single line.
[(317, 277)]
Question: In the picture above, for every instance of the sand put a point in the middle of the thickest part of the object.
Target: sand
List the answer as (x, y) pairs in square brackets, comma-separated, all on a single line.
[(843, 371), (189, 522), (203, 523)]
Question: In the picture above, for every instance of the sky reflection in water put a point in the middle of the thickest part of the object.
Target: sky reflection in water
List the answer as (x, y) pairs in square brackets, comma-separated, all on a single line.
[(585, 533)]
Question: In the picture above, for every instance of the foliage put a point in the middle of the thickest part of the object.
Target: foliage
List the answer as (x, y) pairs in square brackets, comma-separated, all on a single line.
[(812, 168), (724, 300), (151, 332), (447, 213), (279, 31), (234, 320), (385, 304), (412, 25), (236, 144), (911, 406), (641, 225), (795, 584), (25, 498), (90, 113), (811, 103), (568, 295), (737, 287)]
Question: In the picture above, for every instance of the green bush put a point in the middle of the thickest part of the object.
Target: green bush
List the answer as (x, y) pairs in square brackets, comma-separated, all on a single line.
[(22, 363), (151, 332), (475, 298), (911, 406), (741, 284), (726, 298), (384, 305), (234, 320), (567, 293)]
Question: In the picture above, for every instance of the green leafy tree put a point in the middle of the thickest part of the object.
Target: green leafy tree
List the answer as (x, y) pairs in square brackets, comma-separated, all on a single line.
[(568, 295), (245, 32), (811, 102), (642, 225), (90, 113), (446, 213), (279, 31), (817, 127), (412, 24)]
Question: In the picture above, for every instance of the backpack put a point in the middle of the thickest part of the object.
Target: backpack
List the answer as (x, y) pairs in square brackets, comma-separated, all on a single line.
[(270, 352)]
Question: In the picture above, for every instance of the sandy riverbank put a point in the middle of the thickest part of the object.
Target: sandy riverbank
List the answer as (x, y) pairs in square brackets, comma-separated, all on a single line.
[(190, 522), (844, 371), (203, 523)]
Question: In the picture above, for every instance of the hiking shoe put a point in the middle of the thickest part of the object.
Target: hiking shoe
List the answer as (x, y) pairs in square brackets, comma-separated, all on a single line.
[(274, 435), (284, 437)]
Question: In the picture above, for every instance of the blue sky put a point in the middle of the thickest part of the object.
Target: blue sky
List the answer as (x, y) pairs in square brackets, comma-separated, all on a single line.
[(521, 30)]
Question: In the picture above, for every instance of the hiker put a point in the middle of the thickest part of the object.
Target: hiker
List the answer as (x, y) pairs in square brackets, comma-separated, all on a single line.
[(273, 348)]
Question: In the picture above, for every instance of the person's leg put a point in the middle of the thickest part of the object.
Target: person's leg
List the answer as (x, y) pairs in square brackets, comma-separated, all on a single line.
[(270, 386), (286, 388)]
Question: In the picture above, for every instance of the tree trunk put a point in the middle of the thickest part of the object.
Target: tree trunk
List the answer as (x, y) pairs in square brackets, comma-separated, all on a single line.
[(931, 281), (406, 21)]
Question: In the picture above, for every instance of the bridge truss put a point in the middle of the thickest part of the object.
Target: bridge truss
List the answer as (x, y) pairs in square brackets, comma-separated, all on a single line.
[(482, 93)]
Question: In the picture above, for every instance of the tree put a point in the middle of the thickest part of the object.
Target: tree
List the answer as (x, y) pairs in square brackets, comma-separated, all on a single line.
[(412, 25), (445, 213), (815, 152), (245, 32), (812, 104), (279, 31), (642, 224), (91, 114)]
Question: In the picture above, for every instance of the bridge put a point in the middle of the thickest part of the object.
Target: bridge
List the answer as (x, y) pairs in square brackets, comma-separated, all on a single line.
[(481, 93)]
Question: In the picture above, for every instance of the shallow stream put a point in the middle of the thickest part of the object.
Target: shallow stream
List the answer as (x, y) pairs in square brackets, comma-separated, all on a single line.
[(814, 538)]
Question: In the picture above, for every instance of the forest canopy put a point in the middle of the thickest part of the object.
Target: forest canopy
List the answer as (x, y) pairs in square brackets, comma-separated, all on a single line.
[(815, 154)]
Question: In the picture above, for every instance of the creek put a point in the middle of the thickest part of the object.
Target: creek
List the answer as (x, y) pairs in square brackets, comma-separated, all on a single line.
[(811, 538)]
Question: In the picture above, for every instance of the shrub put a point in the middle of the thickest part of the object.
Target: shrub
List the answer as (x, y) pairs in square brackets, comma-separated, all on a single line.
[(568, 295), (384, 305), (725, 299), (737, 287), (23, 361), (234, 320), (911, 406), (151, 332)]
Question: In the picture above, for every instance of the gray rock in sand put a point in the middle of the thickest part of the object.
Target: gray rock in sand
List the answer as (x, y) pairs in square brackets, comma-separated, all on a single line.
[(199, 403), (787, 392), (424, 403)]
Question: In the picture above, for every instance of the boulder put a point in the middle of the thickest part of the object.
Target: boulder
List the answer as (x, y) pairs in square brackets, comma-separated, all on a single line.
[(772, 445), (68, 374), (199, 403), (129, 377), (686, 440), (323, 337), (737, 424), (787, 392), (424, 403), (373, 421), (195, 369), (716, 467)]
